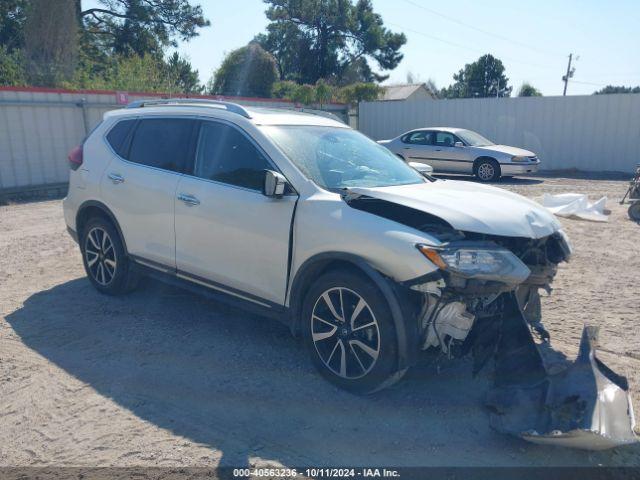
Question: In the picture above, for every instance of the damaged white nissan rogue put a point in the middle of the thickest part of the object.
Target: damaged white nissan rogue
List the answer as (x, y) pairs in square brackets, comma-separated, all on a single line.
[(301, 218)]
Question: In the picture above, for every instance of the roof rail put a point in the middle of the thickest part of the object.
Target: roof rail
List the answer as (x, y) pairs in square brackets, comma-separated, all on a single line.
[(321, 113), (231, 107)]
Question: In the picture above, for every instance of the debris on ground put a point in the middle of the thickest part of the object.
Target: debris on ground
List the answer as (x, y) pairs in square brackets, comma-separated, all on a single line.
[(576, 205)]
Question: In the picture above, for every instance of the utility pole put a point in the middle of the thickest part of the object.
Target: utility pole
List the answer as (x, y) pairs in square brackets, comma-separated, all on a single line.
[(569, 74)]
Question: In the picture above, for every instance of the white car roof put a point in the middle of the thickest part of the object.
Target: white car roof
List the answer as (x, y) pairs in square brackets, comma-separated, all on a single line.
[(441, 129), (255, 115)]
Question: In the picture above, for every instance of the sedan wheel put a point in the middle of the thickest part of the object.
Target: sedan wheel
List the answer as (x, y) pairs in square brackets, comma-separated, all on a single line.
[(488, 170)]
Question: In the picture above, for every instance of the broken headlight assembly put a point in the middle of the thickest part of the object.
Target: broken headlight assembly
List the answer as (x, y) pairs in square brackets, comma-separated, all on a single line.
[(565, 244), (479, 260)]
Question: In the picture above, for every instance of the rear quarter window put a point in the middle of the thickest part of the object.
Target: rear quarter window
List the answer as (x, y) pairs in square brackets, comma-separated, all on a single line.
[(119, 136)]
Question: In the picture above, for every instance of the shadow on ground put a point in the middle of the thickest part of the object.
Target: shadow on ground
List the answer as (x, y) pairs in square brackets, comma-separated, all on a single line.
[(241, 384), (499, 182)]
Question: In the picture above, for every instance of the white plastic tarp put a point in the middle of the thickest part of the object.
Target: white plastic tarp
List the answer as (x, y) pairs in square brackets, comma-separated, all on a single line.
[(575, 205)]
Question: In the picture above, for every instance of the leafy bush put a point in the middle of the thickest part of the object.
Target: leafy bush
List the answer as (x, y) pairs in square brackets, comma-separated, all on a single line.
[(249, 71), (11, 68)]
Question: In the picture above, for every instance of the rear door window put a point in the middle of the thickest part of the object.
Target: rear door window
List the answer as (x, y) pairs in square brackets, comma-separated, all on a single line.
[(225, 154), (419, 138), (119, 136), (165, 143)]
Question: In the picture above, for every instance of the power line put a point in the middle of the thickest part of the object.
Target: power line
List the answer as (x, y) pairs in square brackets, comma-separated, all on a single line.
[(588, 83), (465, 47), (486, 32)]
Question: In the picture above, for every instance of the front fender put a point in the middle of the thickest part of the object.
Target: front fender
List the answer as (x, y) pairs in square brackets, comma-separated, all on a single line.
[(399, 298)]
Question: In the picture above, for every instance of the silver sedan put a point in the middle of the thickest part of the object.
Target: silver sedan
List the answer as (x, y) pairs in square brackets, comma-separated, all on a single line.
[(456, 150)]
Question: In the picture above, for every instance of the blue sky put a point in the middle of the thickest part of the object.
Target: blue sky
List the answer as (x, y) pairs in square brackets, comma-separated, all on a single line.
[(532, 38)]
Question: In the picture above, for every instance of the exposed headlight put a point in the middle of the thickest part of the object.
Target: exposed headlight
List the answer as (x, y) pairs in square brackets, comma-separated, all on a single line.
[(520, 158), (481, 260)]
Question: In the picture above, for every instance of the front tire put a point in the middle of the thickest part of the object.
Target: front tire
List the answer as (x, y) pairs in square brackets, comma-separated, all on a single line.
[(104, 258), (634, 211), (349, 332), (487, 170)]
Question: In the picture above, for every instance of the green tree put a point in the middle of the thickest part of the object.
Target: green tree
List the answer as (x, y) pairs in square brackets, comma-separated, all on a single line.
[(182, 75), (430, 85), (323, 93), (617, 89), (12, 19), (50, 41), (141, 26), (12, 72), (483, 78), (360, 92), (304, 94), (249, 71), (134, 74), (313, 39), (528, 90), (284, 89)]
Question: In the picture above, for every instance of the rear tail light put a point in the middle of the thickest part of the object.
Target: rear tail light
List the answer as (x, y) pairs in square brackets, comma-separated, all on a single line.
[(75, 157)]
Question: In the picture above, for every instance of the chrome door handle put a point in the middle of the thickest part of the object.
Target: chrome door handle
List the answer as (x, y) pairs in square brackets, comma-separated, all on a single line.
[(116, 178), (188, 199), (406, 148)]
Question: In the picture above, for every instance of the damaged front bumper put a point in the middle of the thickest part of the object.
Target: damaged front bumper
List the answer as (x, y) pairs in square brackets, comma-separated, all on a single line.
[(585, 406)]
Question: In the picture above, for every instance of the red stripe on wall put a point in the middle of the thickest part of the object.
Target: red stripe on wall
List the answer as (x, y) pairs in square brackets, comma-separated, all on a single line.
[(145, 94)]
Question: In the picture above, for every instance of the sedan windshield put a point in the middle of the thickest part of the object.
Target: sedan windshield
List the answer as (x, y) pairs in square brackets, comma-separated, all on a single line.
[(336, 158), (473, 139)]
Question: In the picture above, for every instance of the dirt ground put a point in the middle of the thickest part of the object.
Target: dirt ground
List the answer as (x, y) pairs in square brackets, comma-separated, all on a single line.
[(165, 378)]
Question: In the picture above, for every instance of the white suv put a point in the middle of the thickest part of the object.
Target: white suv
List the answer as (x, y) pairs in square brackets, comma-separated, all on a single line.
[(301, 218)]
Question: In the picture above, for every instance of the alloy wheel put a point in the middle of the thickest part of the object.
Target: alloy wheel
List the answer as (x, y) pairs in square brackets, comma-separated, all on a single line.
[(345, 333), (486, 171), (100, 256)]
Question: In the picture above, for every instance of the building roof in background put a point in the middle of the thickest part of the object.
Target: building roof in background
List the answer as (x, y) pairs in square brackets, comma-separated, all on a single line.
[(403, 91)]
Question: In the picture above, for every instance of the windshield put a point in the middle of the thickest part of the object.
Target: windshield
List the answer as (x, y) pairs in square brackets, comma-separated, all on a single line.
[(473, 139), (336, 158)]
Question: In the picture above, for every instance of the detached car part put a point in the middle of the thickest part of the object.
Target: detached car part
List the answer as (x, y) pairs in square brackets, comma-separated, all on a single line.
[(586, 406)]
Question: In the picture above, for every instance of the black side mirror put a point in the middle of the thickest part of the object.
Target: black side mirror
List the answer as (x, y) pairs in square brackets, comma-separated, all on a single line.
[(274, 184)]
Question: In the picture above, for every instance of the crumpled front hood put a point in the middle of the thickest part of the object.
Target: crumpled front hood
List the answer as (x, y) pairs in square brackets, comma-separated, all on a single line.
[(472, 207)]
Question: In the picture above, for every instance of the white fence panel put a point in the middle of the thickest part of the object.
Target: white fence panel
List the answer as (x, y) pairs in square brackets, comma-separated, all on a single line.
[(38, 128), (596, 133)]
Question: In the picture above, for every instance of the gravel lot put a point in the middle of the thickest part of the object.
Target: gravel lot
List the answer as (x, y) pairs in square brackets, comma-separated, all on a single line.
[(164, 378)]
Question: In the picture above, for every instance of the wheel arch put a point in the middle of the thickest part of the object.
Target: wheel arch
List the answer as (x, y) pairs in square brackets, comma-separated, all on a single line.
[(397, 298), (479, 159), (94, 208)]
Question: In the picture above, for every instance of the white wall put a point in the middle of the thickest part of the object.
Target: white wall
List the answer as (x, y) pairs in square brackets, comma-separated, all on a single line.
[(592, 133), (39, 128)]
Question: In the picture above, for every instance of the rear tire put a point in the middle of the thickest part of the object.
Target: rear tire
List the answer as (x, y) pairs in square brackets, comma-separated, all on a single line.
[(634, 211), (487, 170), (349, 332), (105, 260)]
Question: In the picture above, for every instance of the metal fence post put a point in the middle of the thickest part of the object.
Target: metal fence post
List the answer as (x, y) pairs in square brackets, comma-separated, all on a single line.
[(85, 119)]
